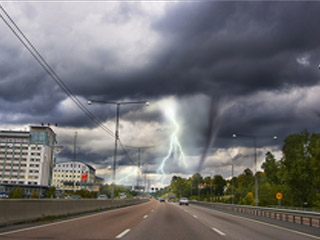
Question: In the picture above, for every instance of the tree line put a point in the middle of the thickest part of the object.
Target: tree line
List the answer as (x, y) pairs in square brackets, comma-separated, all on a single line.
[(296, 175)]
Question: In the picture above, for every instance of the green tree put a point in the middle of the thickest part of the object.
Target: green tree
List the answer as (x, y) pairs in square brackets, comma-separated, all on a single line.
[(51, 192), (271, 169), (300, 165), (16, 193), (245, 184)]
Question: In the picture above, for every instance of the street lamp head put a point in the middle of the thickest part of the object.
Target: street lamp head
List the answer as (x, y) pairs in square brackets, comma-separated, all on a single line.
[(147, 103), (234, 135), (275, 137), (89, 102)]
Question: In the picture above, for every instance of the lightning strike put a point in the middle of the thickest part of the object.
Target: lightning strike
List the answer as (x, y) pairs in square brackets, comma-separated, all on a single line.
[(175, 148)]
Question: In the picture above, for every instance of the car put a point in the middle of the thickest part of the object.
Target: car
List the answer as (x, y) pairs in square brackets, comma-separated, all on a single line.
[(4, 195), (75, 197), (184, 201), (162, 200), (102, 197)]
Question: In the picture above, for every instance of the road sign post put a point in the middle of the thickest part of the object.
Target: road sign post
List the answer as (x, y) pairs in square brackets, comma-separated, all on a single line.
[(279, 196)]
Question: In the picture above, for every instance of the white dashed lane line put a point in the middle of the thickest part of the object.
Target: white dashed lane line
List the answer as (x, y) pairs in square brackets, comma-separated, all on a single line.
[(195, 216), (145, 216), (218, 231), (123, 233)]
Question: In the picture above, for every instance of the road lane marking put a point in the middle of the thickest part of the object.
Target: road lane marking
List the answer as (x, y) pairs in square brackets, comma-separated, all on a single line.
[(68, 220), (195, 216), (218, 231), (123, 233), (145, 216), (268, 224)]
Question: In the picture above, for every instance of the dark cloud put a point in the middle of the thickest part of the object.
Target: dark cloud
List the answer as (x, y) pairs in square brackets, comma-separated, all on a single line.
[(235, 53)]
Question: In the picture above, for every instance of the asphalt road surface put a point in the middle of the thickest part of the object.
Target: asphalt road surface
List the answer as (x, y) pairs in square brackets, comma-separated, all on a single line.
[(154, 221)]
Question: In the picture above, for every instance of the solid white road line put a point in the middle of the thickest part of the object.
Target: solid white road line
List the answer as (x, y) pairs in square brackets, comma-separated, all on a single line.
[(68, 220), (145, 216), (123, 233), (268, 224), (218, 231)]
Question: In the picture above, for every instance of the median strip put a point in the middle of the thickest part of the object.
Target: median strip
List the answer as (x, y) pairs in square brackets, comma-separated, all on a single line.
[(218, 231), (123, 233)]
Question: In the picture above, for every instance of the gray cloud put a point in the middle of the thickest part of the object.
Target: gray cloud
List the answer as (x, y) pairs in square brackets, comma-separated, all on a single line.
[(256, 60)]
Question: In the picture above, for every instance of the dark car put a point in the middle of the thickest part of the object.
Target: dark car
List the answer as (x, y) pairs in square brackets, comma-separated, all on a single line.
[(162, 200)]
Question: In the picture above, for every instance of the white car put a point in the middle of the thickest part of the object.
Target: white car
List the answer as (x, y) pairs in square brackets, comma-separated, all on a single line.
[(184, 201), (102, 197)]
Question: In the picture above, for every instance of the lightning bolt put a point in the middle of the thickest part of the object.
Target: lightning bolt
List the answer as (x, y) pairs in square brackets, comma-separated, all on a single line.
[(175, 148)]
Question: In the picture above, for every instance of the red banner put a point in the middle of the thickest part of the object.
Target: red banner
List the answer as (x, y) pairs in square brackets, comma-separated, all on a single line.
[(84, 177)]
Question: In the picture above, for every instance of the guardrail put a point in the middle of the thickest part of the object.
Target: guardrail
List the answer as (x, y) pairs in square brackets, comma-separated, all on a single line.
[(301, 217), (23, 210)]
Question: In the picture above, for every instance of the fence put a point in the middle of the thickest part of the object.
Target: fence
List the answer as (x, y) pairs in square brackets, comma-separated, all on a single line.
[(301, 217), (22, 210)]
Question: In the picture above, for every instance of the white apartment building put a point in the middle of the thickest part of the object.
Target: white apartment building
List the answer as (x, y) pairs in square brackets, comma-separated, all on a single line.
[(26, 157), (73, 176)]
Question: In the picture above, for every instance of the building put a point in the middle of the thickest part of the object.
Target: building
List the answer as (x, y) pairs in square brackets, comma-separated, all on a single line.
[(72, 176), (26, 157)]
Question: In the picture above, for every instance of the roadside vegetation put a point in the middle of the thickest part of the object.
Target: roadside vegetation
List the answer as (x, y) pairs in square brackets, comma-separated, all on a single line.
[(296, 175)]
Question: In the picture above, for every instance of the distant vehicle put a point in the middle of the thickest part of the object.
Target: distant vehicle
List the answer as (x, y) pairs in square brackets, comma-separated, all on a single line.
[(123, 195), (75, 197), (102, 197), (184, 201), (4, 195), (162, 200)]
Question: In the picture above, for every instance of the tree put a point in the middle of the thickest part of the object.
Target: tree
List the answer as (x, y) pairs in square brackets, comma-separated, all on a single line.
[(16, 193), (245, 184), (219, 184), (300, 165), (271, 169), (51, 193)]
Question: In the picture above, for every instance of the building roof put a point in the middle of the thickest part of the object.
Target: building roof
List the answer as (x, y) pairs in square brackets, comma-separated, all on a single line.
[(67, 162), (18, 134)]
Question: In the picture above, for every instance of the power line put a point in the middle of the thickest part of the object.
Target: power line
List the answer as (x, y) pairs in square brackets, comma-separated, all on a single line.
[(126, 152), (38, 57), (43, 63)]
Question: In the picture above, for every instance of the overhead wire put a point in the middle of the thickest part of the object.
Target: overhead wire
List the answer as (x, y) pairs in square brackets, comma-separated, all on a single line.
[(38, 57), (43, 63)]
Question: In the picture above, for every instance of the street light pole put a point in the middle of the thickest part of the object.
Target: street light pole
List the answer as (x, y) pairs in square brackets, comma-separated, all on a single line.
[(256, 195), (118, 104), (232, 187), (256, 183), (115, 150)]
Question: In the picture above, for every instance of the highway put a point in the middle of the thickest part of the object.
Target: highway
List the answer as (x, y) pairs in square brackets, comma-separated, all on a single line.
[(155, 220)]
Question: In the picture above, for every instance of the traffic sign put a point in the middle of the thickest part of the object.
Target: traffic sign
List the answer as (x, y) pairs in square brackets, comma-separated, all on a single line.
[(279, 195)]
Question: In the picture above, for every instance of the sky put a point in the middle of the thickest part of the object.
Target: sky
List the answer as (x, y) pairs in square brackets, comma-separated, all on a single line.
[(208, 68)]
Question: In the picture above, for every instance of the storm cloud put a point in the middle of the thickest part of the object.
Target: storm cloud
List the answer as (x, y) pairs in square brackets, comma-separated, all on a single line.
[(246, 67)]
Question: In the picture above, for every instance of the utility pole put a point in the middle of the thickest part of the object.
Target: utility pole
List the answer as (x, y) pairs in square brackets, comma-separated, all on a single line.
[(139, 161), (254, 138), (117, 104), (74, 159), (211, 187), (138, 173)]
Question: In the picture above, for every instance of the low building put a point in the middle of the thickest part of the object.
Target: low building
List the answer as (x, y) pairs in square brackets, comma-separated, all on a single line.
[(26, 157), (72, 176)]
